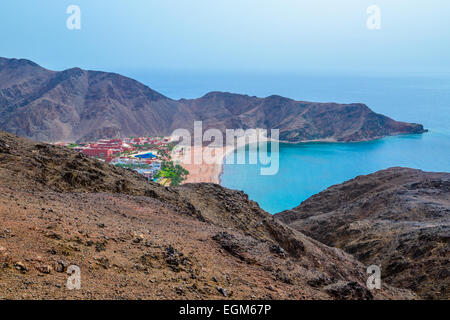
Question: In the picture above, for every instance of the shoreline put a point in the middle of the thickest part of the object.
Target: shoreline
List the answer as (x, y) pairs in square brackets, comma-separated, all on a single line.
[(205, 172), (212, 173)]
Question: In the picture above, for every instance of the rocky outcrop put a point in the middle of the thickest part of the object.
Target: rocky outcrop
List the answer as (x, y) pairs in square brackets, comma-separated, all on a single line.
[(398, 219), (76, 104), (134, 239)]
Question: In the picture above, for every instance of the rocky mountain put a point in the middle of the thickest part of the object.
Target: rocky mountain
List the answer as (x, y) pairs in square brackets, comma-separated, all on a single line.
[(398, 219), (134, 239), (76, 104)]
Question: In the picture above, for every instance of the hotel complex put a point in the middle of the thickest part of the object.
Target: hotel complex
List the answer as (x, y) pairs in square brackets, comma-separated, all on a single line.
[(142, 154)]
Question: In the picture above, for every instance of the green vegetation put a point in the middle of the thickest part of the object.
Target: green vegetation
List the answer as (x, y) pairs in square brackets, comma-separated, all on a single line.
[(133, 165), (164, 153), (145, 146), (171, 146), (176, 173), (126, 153)]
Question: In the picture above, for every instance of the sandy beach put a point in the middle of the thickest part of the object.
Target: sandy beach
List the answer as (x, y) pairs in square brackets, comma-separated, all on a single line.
[(209, 172), (204, 172)]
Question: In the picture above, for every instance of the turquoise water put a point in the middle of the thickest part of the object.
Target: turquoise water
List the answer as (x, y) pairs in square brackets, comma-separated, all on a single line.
[(307, 169)]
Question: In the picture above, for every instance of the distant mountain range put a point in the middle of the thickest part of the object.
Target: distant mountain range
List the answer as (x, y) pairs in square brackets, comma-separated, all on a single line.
[(76, 104)]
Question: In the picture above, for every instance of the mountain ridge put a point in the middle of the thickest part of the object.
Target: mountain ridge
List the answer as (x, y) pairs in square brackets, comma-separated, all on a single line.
[(398, 219), (85, 105)]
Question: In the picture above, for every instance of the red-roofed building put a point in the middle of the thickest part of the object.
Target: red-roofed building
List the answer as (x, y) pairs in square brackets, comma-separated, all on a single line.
[(98, 152), (138, 140)]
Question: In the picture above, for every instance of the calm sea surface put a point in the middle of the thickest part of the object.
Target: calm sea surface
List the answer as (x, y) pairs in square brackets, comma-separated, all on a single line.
[(306, 169)]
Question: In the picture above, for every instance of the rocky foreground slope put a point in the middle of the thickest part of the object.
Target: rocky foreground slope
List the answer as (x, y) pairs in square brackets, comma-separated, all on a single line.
[(133, 239), (398, 219), (76, 104)]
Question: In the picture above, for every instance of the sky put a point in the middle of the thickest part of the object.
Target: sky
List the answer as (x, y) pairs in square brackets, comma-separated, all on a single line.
[(230, 35)]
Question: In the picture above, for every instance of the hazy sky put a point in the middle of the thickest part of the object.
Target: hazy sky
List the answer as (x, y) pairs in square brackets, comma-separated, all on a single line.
[(232, 35)]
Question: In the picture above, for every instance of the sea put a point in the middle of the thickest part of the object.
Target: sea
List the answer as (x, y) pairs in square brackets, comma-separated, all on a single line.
[(308, 168)]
